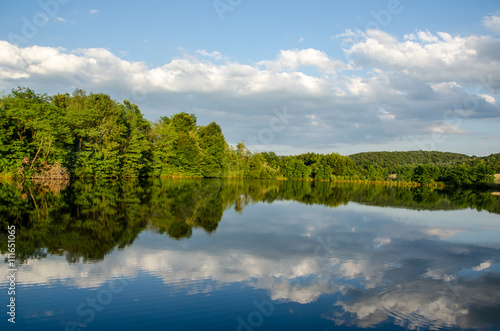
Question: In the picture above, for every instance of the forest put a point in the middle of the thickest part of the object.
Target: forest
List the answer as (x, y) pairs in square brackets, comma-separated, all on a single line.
[(93, 136)]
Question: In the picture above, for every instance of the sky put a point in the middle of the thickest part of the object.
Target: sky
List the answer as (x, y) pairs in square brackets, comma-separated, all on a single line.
[(285, 76)]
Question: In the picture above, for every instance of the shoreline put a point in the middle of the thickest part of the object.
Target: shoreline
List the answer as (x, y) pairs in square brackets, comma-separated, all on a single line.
[(495, 187)]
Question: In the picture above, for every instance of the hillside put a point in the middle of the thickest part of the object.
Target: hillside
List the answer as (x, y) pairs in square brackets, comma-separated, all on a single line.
[(391, 160), (493, 161)]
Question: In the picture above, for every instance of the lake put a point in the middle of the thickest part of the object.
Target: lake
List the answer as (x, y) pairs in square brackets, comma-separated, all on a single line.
[(214, 254)]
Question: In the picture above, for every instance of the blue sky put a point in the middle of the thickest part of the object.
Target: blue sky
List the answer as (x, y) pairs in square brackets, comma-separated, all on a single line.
[(288, 76)]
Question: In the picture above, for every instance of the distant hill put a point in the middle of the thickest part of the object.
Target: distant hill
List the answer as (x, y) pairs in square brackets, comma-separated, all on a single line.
[(391, 160), (493, 160)]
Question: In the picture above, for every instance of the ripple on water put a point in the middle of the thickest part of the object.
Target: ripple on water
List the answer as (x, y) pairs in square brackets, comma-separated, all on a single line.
[(431, 309), (423, 309)]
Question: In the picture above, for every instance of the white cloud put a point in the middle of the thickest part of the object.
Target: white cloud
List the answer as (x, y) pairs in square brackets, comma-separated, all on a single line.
[(443, 233), (428, 57), (426, 36), (313, 118), (415, 310), (415, 82), (492, 22), (215, 55), (439, 274), (295, 59), (445, 87), (488, 98), (380, 241), (446, 128), (62, 20), (385, 115), (94, 11), (482, 266)]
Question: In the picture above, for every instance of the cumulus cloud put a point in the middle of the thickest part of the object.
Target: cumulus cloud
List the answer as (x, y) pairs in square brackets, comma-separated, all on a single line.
[(482, 266), (389, 90), (488, 98), (446, 128), (215, 55), (429, 57), (295, 59), (492, 22)]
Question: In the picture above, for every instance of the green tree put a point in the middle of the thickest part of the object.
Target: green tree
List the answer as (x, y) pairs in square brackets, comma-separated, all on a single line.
[(183, 122), (213, 151), (257, 168), (460, 175), (33, 134), (323, 171), (186, 156), (422, 175), (483, 173), (137, 156), (294, 168)]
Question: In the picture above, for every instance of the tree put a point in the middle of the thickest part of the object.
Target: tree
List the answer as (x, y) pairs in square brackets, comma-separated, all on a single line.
[(272, 160), (186, 156), (258, 169), (162, 139), (33, 134), (136, 158), (483, 173), (213, 150), (323, 171), (183, 122), (294, 169), (422, 175), (460, 175)]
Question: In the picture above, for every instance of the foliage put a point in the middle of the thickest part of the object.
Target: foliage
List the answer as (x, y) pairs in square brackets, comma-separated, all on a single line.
[(214, 151), (393, 160), (425, 174), (93, 136), (294, 168)]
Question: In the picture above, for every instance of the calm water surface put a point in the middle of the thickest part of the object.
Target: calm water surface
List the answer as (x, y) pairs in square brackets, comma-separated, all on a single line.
[(250, 255)]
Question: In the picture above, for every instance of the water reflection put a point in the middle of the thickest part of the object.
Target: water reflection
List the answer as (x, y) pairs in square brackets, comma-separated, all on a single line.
[(87, 220), (358, 265)]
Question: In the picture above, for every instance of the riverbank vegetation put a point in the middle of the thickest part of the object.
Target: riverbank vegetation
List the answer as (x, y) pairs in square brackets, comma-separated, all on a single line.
[(93, 136)]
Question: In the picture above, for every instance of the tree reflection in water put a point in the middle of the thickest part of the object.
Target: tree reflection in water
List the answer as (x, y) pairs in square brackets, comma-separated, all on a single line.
[(87, 220), (367, 272)]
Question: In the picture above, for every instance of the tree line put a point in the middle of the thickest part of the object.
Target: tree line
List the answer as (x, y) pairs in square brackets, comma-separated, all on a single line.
[(93, 136), (428, 167)]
